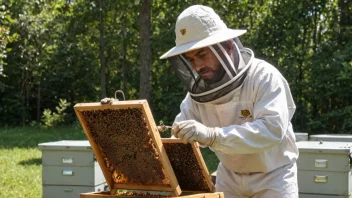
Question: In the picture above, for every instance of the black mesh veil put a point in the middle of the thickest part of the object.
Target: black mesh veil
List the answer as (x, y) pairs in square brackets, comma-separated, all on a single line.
[(234, 68)]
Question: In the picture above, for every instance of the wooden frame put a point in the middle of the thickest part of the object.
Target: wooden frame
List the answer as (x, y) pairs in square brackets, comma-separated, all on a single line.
[(184, 158), (106, 194), (173, 186)]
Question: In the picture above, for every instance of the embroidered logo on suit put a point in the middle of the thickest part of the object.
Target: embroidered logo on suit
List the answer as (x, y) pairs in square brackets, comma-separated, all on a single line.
[(245, 114), (183, 31)]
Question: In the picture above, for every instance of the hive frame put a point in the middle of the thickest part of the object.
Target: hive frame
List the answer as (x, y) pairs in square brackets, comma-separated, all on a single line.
[(199, 158), (174, 187), (106, 195)]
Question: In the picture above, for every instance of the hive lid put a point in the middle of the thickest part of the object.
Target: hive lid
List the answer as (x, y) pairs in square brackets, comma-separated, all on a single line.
[(301, 136), (331, 137), (127, 145), (324, 147), (75, 145), (189, 166)]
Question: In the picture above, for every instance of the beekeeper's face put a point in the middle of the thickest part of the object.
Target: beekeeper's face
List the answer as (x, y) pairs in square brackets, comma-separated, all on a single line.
[(205, 63)]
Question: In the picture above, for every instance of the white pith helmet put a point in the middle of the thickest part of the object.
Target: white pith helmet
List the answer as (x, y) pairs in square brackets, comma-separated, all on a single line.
[(197, 27)]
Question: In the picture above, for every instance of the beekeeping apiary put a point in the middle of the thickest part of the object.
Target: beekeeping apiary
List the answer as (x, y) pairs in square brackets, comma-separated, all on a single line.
[(324, 169), (128, 147), (69, 168)]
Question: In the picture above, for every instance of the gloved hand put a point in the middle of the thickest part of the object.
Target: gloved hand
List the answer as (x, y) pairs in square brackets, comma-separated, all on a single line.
[(107, 101), (190, 131)]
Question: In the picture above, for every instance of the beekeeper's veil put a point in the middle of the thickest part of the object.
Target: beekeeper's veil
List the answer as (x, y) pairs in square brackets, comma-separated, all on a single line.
[(198, 27)]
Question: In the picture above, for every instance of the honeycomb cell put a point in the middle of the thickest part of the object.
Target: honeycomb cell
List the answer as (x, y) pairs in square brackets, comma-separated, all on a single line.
[(126, 144), (186, 167)]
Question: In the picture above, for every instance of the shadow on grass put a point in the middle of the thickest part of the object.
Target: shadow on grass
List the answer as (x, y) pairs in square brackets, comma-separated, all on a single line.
[(30, 162), (30, 137)]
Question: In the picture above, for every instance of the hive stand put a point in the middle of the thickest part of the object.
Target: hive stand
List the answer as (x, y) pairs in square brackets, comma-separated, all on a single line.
[(128, 147)]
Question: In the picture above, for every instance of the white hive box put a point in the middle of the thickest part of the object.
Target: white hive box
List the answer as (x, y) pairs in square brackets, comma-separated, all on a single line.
[(69, 168), (331, 137), (324, 169), (321, 196), (301, 136)]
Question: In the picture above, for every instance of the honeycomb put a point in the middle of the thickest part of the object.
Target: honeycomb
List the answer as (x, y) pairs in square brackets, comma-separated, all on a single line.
[(126, 144), (140, 194), (186, 167)]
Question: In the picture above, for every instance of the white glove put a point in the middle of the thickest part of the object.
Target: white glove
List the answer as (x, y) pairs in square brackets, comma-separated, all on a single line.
[(107, 101), (191, 131)]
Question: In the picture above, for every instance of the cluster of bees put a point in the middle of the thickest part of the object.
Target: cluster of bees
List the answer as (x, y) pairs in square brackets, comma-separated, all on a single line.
[(125, 142), (140, 194), (186, 168)]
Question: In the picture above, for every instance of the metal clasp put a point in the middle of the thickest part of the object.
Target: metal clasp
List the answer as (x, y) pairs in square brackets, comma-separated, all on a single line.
[(321, 163), (67, 160), (68, 189), (320, 178), (67, 173)]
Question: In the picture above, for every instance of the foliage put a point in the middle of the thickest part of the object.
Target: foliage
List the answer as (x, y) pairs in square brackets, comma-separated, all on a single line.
[(52, 51), (5, 38), (53, 119)]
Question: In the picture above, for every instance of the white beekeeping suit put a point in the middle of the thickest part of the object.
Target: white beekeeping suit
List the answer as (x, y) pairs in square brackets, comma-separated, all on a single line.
[(244, 115)]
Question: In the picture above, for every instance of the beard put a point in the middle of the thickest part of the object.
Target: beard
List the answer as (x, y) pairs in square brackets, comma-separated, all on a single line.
[(217, 75)]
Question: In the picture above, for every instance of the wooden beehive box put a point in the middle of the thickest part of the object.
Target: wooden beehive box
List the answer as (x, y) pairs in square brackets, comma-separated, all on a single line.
[(128, 148), (108, 195)]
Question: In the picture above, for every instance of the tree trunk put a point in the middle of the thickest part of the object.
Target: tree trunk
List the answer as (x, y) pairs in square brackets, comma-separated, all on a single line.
[(38, 103), (145, 51), (102, 50), (316, 26), (124, 48), (24, 98), (345, 21)]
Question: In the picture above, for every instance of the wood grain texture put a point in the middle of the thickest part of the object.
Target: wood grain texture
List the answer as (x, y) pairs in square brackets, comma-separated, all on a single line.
[(127, 145), (189, 166)]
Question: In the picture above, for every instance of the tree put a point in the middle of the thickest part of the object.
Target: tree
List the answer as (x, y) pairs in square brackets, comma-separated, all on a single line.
[(145, 51), (102, 50), (74, 50), (4, 39)]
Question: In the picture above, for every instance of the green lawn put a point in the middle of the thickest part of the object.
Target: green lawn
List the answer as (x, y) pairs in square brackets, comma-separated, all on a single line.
[(20, 158)]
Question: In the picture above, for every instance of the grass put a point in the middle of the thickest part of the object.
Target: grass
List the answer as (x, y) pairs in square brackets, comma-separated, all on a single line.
[(21, 164), (20, 158)]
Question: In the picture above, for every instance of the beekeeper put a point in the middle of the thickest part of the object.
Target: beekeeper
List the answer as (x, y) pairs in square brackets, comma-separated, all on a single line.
[(238, 105)]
